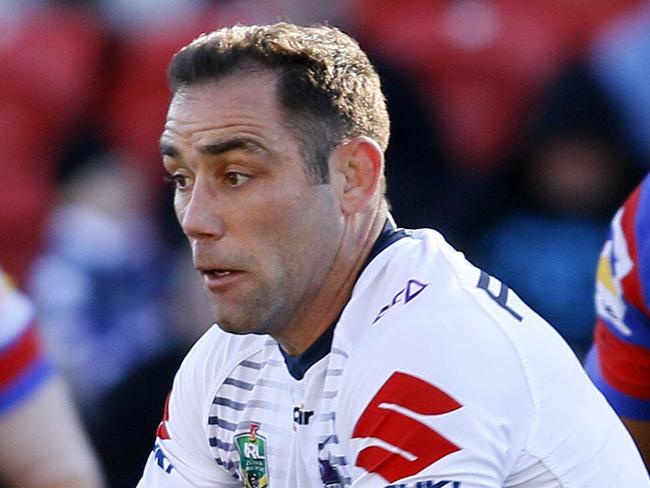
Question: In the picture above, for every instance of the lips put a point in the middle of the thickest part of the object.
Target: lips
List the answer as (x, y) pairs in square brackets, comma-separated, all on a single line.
[(217, 273), (217, 278)]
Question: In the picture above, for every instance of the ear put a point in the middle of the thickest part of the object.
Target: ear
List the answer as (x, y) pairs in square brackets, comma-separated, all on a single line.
[(356, 167)]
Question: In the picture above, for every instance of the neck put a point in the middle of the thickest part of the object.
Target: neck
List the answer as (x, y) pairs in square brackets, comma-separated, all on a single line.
[(359, 235)]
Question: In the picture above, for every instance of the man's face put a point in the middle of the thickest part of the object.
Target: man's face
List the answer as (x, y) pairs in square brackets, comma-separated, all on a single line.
[(263, 237)]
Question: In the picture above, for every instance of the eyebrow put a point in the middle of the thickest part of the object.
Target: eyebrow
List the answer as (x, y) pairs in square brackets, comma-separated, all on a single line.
[(218, 148)]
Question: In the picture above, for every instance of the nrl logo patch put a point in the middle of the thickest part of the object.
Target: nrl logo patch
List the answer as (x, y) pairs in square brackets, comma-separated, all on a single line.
[(252, 458)]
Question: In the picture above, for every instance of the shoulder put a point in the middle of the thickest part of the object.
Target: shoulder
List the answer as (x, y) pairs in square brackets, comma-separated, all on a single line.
[(427, 311), (182, 434), (496, 376), (429, 314), (420, 267), (211, 359), (423, 282), (431, 360)]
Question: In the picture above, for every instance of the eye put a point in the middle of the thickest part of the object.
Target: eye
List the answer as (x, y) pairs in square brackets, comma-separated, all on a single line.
[(178, 181), (235, 178)]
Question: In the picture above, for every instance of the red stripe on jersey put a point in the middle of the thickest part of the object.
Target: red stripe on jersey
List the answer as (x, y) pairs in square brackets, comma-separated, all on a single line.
[(631, 282), (18, 356), (161, 431), (626, 367), (394, 428)]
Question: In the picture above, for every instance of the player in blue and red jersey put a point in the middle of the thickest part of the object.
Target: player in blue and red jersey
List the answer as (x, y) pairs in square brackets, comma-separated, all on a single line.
[(41, 440), (619, 362)]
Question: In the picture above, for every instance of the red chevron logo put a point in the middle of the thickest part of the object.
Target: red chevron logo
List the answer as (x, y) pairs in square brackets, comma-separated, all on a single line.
[(424, 444)]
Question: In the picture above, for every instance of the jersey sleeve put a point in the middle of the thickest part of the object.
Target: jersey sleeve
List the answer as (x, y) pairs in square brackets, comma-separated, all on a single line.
[(181, 456), (24, 367), (619, 361)]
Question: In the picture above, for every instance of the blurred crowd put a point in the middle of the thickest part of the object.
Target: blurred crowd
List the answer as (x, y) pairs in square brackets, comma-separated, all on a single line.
[(518, 127)]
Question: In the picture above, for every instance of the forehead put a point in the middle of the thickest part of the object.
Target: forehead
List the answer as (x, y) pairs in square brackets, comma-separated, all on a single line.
[(238, 103)]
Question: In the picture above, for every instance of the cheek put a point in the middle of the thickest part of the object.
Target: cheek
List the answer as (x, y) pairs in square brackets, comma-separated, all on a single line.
[(277, 214), (311, 226), (281, 226), (291, 228)]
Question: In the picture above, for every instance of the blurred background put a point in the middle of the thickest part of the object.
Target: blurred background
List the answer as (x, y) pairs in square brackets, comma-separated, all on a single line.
[(518, 127)]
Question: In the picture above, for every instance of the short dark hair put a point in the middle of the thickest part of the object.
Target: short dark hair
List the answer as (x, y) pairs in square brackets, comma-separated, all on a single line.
[(327, 86)]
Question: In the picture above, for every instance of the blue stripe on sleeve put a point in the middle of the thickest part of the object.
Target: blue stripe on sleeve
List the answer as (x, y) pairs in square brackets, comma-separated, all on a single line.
[(25, 385)]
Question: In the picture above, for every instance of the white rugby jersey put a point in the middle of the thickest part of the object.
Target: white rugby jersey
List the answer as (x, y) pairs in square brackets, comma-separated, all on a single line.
[(435, 375)]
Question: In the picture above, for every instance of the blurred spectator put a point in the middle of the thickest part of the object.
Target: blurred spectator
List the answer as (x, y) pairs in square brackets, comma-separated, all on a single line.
[(133, 110), (49, 62), (127, 15), (620, 61), (481, 64), (305, 12), (576, 170), (147, 34), (424, 189), (36, 452), (132, 408), (99, 282)]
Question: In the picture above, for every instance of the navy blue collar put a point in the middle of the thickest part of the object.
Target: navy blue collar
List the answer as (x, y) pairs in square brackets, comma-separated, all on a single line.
[(298, 365)]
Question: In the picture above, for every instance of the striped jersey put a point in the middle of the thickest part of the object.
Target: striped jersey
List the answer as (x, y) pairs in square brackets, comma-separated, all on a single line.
[(435, 375), (619, 362), (23, 366)]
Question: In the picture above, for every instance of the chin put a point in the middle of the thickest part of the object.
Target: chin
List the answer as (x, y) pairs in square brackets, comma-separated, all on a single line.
[(255, 320), (239, 328), (231, 328)]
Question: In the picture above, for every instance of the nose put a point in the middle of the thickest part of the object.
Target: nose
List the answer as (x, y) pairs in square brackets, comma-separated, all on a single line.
[(198, 213)]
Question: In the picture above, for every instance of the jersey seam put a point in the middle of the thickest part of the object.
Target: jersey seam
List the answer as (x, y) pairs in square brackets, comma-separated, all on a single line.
[(536, 402)]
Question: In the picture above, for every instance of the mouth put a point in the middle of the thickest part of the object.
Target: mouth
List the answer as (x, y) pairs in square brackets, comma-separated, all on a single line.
[(216, 273), (217, 278)]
